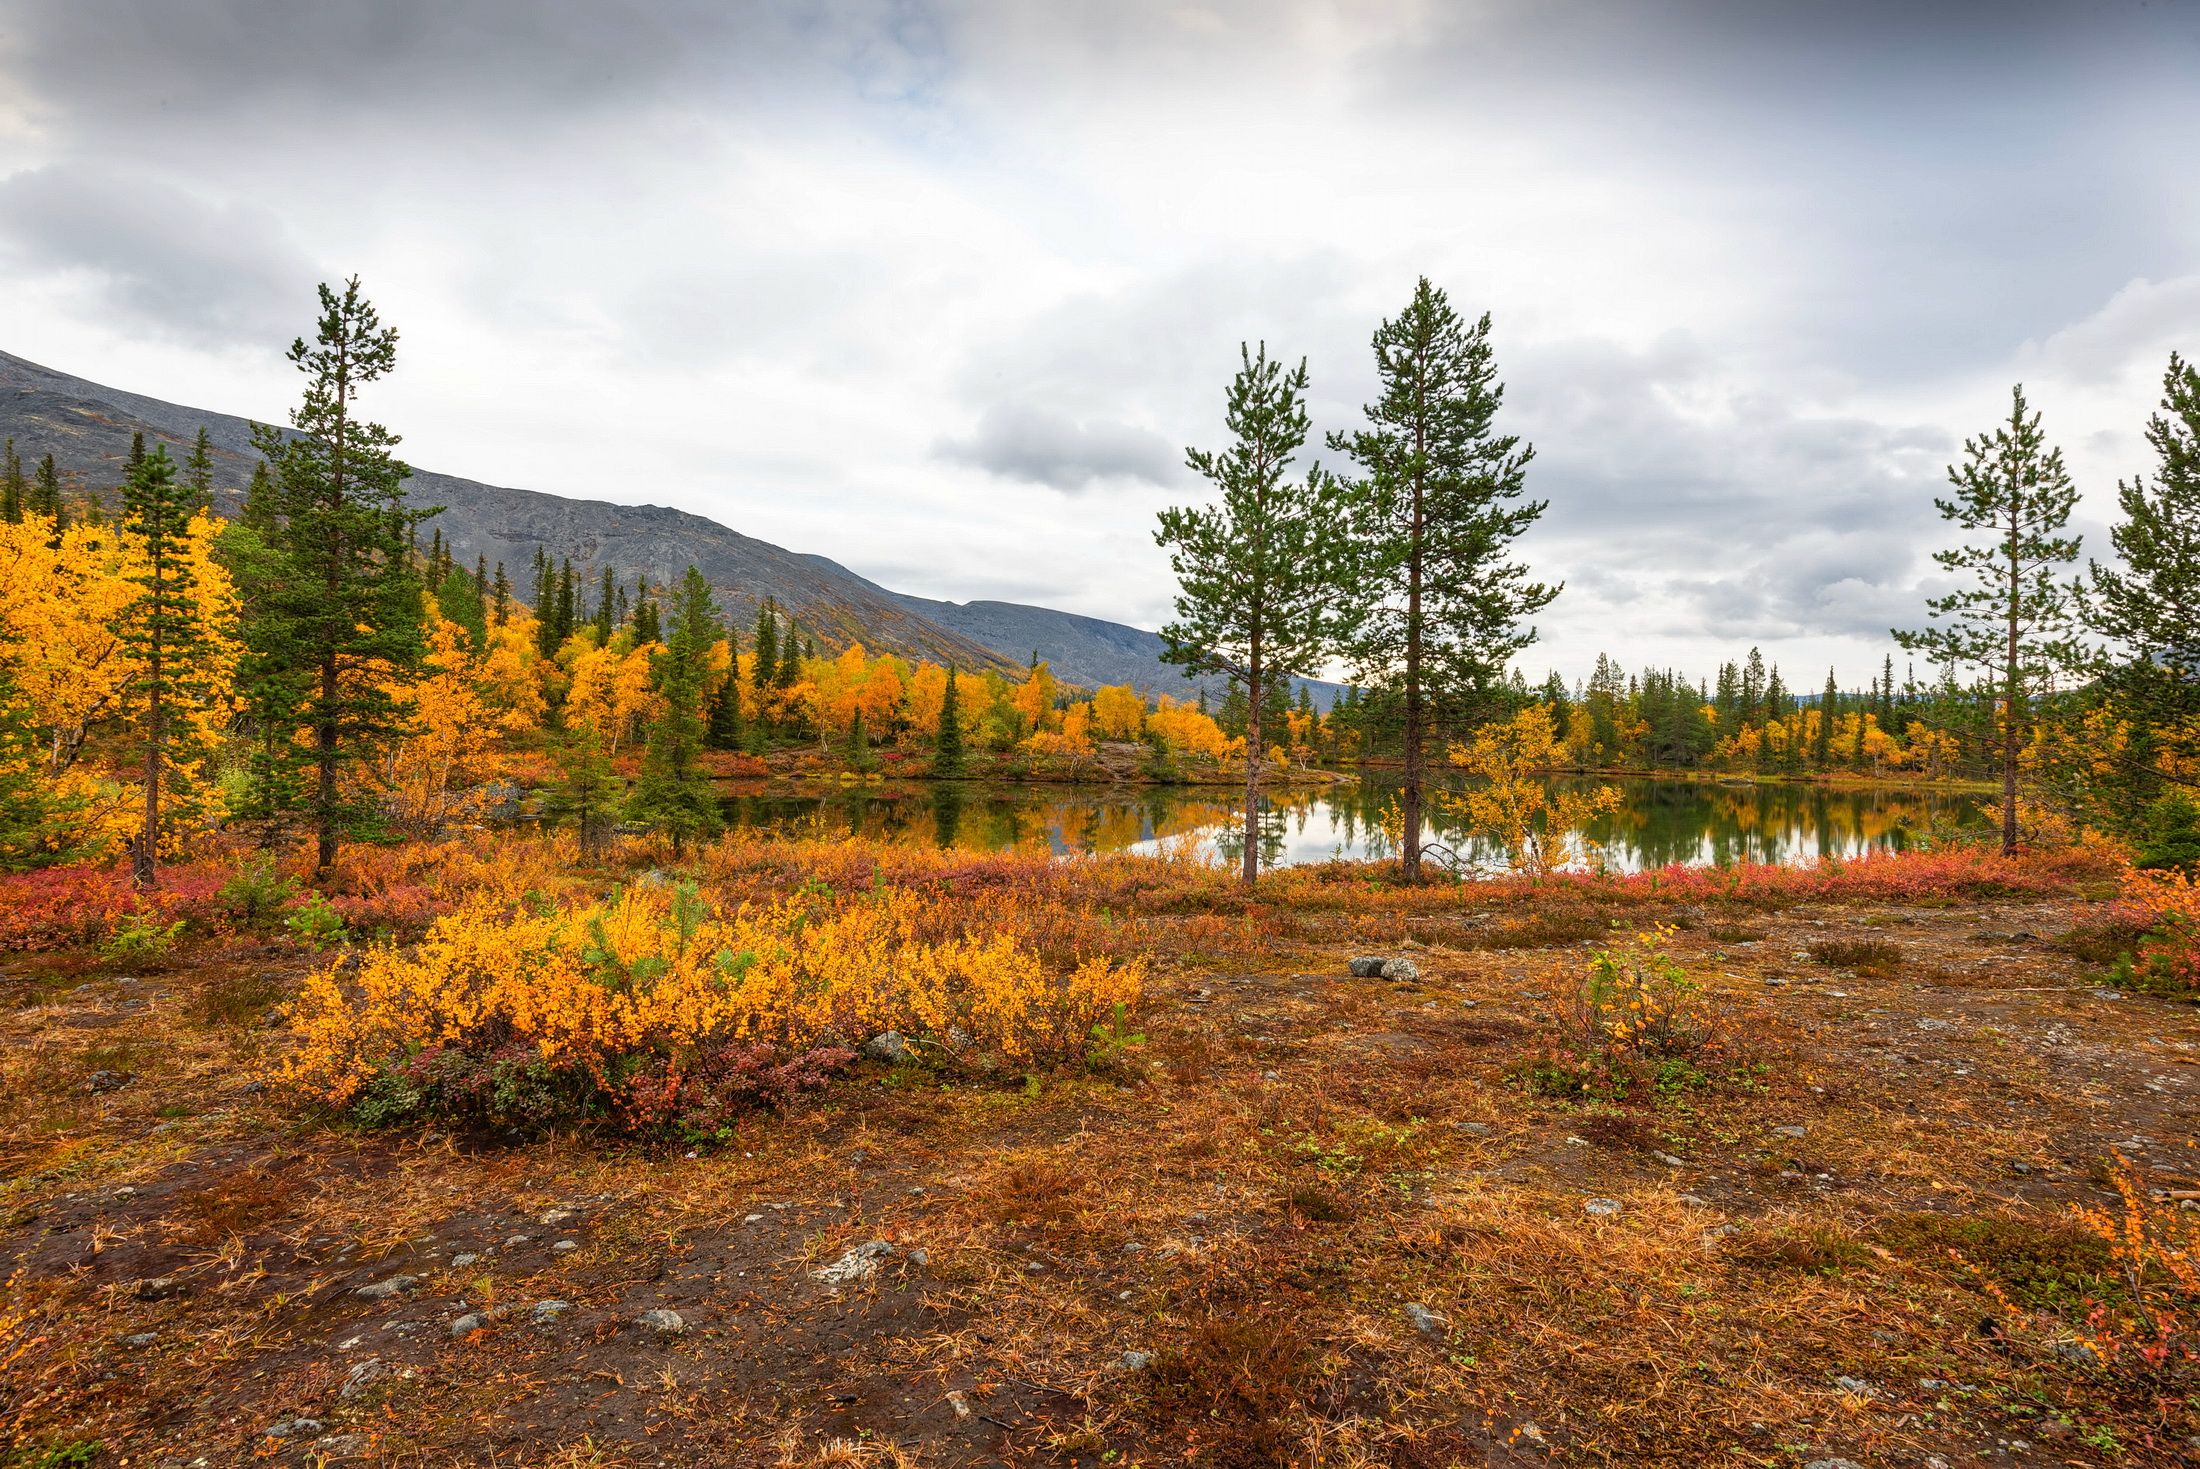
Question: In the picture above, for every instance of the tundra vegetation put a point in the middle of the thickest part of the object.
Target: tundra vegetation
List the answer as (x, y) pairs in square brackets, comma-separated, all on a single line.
[(345, 1117)]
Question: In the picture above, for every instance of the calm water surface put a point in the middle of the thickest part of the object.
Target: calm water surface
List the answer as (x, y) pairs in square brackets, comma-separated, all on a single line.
[(1663, 821)]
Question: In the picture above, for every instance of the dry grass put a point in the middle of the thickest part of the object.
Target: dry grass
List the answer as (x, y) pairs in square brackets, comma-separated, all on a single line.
[(1250, 1196)]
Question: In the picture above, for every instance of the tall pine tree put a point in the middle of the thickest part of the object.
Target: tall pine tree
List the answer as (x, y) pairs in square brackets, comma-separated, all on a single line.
[(949, 761), (161, 629), (1440, 502), (340, 617), (673, 794), (2014, 620), (15, 490), (1260, 575)]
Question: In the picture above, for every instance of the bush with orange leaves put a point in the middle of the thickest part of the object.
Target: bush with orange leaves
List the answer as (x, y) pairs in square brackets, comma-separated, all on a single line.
[(2167, 906), (656, 1011), (2153, 1332), (1634, 1025)]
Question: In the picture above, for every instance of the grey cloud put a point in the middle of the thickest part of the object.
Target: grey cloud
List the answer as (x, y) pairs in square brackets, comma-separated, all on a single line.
[(210, 274), (1019, 442)]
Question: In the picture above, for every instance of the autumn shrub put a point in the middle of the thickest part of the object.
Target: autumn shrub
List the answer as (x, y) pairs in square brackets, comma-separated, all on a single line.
[(1634, 1024), (258, 893), (1865, 956), (2165, 906), (656, 1010), (2152, 1329)]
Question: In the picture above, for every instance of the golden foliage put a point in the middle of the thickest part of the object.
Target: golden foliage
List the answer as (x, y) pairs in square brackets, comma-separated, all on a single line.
[(1513, 803)]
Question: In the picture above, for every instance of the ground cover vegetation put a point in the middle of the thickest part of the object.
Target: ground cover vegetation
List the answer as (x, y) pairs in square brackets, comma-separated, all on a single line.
[(345, 1118)]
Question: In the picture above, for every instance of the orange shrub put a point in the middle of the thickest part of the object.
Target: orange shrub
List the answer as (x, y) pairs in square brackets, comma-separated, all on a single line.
[(611, 1008), (2167, 905)]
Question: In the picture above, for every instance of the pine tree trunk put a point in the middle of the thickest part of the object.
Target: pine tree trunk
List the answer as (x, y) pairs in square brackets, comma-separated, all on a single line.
[(2012, 687), (1249, 869), (324, 800), (142, 872), (1410, 802)]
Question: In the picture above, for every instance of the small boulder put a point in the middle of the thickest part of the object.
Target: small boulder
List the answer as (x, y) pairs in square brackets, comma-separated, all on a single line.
[(546, 1313), (294, 1428), (1792, 1130), (1601, 1208), (1402, 971), (468, 1324), (886, 1046), (460, 1262), (860, 1263), (343, 1445), (104, 1080), (662, 1323), (1425, 1321), (1368, 966), (382, 1290), (1135, 1361), (361, 1377)]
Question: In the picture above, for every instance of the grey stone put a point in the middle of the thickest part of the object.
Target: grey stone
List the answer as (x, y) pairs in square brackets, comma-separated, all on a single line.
[(1602, 1208), (546, 1313), (1136, 1361), (1669, 1160), (2076, 1352), (141, 1339), (564, 1247), (104, 1080), (887, 1046), (860, 1263), (1425, 1321), (1791, 1130), (1403, 971), (343, 1445), (662, 1322), (294, 1428), (361, 1377), (382, 1290), (468, 1324), (1856, 1385), (460, 1262), (1367, 966)]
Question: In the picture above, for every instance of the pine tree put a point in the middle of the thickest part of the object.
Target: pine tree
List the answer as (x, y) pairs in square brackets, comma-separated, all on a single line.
[(789, 670), (2015, 621), (764, 674), (566, 610), (1260, 576), (673, 794), (858, 748), (647, 623), (198, 471), (503, 600), (15, 490), (339, 616), (588, 790), (161, 628), (1439, 505), (607, 597), (2150, 610), (137, 454), (948, 759), (1829, 705), (46, 496), (726, 732)]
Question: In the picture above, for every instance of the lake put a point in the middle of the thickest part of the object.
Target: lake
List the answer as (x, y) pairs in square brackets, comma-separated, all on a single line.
[(1695, 822)]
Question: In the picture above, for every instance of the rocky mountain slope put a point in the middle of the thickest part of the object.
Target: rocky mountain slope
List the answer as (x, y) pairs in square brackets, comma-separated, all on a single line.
[(87, 428)]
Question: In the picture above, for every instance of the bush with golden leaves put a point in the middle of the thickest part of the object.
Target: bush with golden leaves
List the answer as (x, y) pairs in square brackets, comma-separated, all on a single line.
[(656, 1009)]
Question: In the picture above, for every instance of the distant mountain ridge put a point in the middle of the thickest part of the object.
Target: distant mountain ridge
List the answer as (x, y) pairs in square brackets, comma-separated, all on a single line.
[(87, 427)]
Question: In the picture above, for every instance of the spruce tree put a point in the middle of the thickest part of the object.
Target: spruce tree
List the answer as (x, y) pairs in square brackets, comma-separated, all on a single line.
[(647, 622), (1440, 501), (566, 611), (1829, 704), (673, 794), (46, 495), (607, 597), (198, 471), (858, 749), (726, 732), (2015, 620), (588, 789), (764, 673), (2149, 611), (161, 629), (339, 616), (789, 670), (948, 758), (15, 490), (503, 598), (1261, 575)]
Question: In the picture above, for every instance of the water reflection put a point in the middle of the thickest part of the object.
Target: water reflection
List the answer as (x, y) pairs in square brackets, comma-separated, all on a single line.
[(1662, 822)]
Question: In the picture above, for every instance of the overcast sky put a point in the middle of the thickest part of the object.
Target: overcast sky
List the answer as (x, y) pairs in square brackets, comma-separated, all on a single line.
[(943, 290)]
